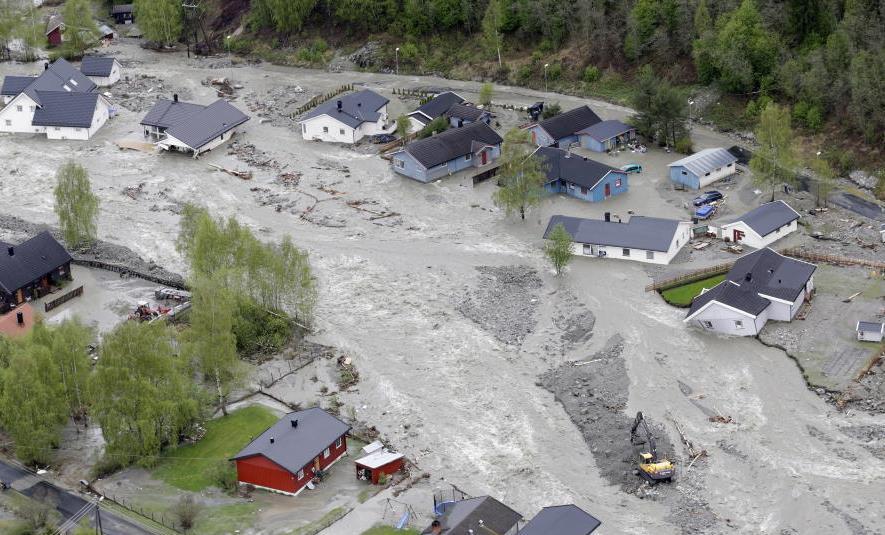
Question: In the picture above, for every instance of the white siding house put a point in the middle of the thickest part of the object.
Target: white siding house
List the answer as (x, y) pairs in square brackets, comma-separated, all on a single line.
[(763, 225), (870, 331), (347, 119), (18, 115), (103, 72)]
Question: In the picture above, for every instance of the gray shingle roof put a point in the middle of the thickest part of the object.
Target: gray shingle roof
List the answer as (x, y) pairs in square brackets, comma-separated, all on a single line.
[(704, 161), (295, 447), (648, 233), (561, 520), (356, 108), (60, 108), (870, 326), (576, 169), (33, 258), (769, 217), (742, 297), (570, 122), (772, 274), (465, 515), (198, 129), (439, 104), (166, 113), (463, 111), (605, 130), (451, 144), (121, 8), (13, 85), (97, 66), (56, 77), (55, 20)]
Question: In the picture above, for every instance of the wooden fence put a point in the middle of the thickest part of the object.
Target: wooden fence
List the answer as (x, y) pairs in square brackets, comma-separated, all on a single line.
[(167, 522), (795, 252), (49, 305), (691, 276), (319, 99), (129, 272)]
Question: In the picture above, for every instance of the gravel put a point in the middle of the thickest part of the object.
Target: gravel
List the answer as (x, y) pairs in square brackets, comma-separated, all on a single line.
[(504, 302), (140, 92)]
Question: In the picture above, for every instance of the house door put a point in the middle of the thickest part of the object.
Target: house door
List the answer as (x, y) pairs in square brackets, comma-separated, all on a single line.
[(608, 190), (738, 235), (19, 297), (485, 157), (534, 138)]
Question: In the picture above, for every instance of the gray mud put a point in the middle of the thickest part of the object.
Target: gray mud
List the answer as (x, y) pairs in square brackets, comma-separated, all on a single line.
[(504, 302)]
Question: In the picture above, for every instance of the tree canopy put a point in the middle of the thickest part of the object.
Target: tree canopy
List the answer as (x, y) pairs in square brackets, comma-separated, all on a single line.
[(75, 205), (520, 174)]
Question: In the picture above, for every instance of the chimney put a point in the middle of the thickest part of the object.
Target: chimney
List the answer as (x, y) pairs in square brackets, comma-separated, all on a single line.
[(608, 217), (20, 318), (568, 153), (339, 105), (749, 277), (46, 66), (174, 97), (359, 104), (11, 250), (271, 440), (294, 423)]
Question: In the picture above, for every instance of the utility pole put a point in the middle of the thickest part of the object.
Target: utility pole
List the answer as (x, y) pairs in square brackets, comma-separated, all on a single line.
[(98, 530)]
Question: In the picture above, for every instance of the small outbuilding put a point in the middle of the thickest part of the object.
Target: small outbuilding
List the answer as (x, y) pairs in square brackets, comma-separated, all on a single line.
[(123, 13), (763, 225), (288, 455), (103, 71), (30, 269), (606, 136), (476, 516), (703, 168), (561, 520), (870, 331), (652, 240), (192, 128), (432, 109), (55, 27), (475, 146), (463, 114), (580, 177), (563, 130), (377, 463)]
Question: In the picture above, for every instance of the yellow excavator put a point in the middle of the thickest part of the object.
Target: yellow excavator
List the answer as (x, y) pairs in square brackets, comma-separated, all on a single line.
[(651, 467)]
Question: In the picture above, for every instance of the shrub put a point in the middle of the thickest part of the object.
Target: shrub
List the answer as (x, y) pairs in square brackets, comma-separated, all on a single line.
[(258, 330), (239, 45), (105, 467), (684, 146), (592, 74), (315, 52), (554, 71), (808, 115), (440, 124), (408, 52), (224, 476), (841, 161), (551, 110), (186, 512), (755, 107), (524, 74)]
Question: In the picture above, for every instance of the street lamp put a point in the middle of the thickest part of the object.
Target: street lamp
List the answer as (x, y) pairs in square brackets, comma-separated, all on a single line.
[(227, 46), (545, 76), (396, 53), (690, 103)]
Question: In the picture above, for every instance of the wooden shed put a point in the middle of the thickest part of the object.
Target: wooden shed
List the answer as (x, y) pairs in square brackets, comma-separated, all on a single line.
[(377, 461)]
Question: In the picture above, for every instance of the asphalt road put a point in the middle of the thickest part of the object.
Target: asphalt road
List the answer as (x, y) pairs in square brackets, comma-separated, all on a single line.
[(68, 503), (856, 204)]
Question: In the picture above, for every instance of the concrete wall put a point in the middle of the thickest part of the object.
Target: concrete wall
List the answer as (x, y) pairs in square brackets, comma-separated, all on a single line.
[(719, 318), (617, 182)]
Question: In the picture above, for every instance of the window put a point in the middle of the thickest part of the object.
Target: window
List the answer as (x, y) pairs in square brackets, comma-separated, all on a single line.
[(67, 88), (300, 474), (57, 129), (707, 324), (74, 82), (76, 129), (625, 252), (618, 183), (303, 128), (588, 249), (707, 173), (717, 170), (738, 324), (327, 453), (583, 191), (685, 172), (338, 442), (729, 165), (325, 129), (341, 131), (399, 163), (8, 122), (18, 108), (649, 255)]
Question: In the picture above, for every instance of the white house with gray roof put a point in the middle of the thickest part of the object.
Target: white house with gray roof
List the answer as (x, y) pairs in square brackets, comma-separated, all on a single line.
[(763, 225), (191, 128), (761, 286), (61, 102), (652, 240), (870, 331), (103, 71), (703, 168), (346, 118)]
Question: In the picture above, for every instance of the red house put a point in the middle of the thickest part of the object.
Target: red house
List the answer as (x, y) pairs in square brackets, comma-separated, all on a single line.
[(377, 461), (54, 28), (287, 456)]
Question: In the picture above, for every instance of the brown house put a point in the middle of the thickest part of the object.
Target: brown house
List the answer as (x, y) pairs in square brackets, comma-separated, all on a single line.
[(30, 269)]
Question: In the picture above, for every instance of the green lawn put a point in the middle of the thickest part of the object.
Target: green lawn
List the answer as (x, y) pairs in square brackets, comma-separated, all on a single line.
[(386, 530), (191, 467), (681, 296)]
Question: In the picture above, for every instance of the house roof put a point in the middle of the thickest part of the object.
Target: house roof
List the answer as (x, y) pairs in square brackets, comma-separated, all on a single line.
[(121, 8), (451, 144), (166, 113), (9, 325), (296, 445), (55, 20), (570, 122), (356, 108), (97, 65), (379, 458), (741, 297), (768, 217), (559, 164), (561, 520), (463, 111), (13, 85), (31, 260), (60, 108), (706, 160), (605, 130), (439, 104), (201, 127), (60, 76), (772, 274), (419, 117), (870, 327), (648, 233), (465, 515)]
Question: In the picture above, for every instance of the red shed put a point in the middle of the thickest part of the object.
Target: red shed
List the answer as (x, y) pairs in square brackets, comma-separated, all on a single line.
[(288, 456), (54, 27), (377, 461)]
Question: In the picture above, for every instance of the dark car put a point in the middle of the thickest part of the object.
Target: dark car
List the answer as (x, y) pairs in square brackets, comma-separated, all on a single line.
[(383, 138), (707, 197)]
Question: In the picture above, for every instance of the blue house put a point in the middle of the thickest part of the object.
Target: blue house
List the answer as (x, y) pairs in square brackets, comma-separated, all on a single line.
[(562, 130), (580, 177), (464, 114), (606, 135), (703, 168), (475, 146)]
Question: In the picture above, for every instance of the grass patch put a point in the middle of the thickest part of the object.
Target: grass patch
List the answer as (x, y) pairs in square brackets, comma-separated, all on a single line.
[(327, 520), (681, 296), (225, 519), (387, 530), (191, 467)]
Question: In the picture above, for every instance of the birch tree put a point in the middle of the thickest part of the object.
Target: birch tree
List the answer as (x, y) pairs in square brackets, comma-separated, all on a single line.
[(773, 161), (520, 174), (75, 205)]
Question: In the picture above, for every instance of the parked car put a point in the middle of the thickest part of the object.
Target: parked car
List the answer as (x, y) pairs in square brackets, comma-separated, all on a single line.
[(707, 197), (705, 212), (631, 168), (383, 138)]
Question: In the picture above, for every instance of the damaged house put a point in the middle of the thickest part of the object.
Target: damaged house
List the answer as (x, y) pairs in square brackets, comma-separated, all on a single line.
[(191, 128)]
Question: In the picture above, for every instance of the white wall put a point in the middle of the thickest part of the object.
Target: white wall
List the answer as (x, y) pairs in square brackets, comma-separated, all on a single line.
[(13, 120), (105, 81), (722, 319), (337, 131), (173, 143), (724, 171), (754, 240), (415, 125), (680, 238)]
